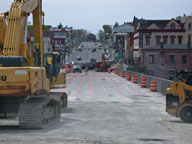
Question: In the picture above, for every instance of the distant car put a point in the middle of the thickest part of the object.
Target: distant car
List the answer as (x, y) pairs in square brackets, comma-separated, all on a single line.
[(79, 49), (68, 63), (91, 67), (93, 50), (78, 58), (83, 66), (77, 68)]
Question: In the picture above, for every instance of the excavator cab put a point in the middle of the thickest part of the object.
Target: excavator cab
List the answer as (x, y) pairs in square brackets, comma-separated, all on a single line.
[(52, 65), (53, 70)]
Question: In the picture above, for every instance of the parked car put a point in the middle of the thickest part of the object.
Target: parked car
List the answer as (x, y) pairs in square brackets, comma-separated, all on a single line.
[(93, 50), (77, 68), (78, 58)]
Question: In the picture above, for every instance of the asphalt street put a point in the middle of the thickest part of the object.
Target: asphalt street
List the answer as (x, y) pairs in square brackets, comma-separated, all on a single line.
[(86, 53), (105, 109)]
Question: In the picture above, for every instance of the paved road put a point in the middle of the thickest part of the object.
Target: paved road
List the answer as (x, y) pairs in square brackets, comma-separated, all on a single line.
[(106, 109), (86, 54)]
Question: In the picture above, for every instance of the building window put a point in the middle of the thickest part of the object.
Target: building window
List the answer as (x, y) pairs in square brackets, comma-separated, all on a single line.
[(151, 72), (158, 40), (189, 38), (147, 40), (151, 59), (180, 39), (172, 59), (172, 39), (189, 26), (184, 59), (172, 26), (165, 39)]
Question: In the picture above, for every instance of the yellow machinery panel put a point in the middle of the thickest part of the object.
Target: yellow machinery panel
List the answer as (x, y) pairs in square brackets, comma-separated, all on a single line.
[(2, 31), (60, 82), (23, 81)]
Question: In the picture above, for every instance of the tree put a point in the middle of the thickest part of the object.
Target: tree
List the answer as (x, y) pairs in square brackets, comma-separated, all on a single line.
[(101, 35), (60, 26), (116, 25), (107, 29)]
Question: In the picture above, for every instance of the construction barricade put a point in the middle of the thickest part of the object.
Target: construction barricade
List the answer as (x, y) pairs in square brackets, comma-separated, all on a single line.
[(128, 76), (70, 69), (153, 86), (143, 82), (134, 79), (123, 74), (119, 73)]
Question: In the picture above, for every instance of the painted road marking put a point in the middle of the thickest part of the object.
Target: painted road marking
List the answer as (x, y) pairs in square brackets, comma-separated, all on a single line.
[(147, 93), (74, 78), (116, 89), (103, 88), (80, 84), (127, 88), (90, 86)]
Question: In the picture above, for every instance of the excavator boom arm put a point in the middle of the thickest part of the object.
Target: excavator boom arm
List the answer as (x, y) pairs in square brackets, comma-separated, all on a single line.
[(15, 42)]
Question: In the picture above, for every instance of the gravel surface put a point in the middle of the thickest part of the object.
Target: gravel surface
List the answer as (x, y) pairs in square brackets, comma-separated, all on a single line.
[(105, 109)]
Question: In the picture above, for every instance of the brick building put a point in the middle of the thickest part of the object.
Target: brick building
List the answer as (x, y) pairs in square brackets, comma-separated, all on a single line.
[(123, 39), (165, 61), (163, 46), (56, 40)]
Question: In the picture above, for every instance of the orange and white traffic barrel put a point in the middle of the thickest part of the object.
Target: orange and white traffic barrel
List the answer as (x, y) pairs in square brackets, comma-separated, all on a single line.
[(70, 70), (134, 79), (119, 73), (153, 86), (123, 74), (129, 76), (143, 82), (67, 70), (109, 70)]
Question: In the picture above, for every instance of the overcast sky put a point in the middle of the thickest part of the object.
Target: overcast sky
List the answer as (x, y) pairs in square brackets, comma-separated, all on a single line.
[(93, 14)]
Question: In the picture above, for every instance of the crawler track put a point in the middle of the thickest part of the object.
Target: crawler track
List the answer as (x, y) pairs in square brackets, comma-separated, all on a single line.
[(37, 113)]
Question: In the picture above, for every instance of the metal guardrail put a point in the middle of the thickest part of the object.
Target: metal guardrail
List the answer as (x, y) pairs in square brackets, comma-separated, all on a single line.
[(162, 84)]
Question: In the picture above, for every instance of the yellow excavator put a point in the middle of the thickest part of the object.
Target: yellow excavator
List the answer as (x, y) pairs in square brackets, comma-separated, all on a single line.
[(26, 73), (179, 97), (103, 67)]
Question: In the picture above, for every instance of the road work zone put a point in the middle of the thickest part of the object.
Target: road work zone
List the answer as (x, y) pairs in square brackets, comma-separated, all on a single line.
[(105, 108)]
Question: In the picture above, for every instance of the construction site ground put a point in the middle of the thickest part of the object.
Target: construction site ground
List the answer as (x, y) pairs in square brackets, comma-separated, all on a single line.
[(104, 108)]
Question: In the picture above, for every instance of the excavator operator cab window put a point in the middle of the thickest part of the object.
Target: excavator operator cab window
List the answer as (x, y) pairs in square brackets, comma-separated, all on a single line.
[(56, 65)]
